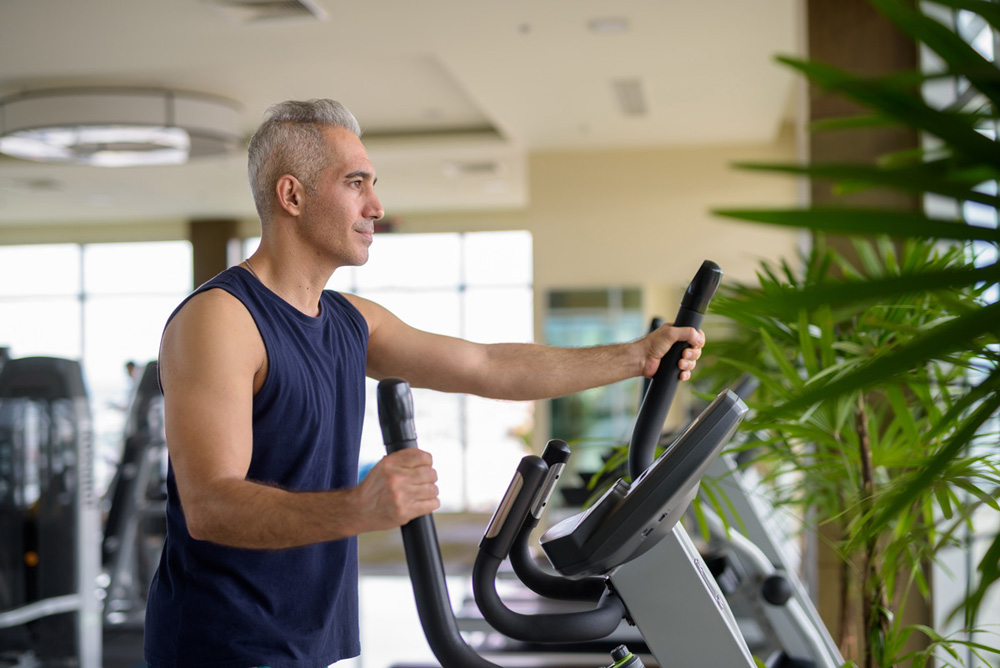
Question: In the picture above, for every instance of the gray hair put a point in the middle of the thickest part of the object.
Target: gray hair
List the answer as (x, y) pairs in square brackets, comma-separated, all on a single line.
[(290, 141)]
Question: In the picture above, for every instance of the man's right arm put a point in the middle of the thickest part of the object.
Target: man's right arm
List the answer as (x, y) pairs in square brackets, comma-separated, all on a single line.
[(212, 361)]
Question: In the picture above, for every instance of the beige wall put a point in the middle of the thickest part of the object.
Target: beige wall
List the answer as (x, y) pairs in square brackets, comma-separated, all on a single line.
[(140, 230), (640, 217)]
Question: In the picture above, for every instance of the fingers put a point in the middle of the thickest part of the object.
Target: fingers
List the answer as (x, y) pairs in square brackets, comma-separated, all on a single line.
[(694, 337), (667, 336), (688, 361), (412, 477), (689, 358), (401, 487)]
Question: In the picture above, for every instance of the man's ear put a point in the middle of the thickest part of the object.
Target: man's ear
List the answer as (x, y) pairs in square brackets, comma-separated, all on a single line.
[(289, 191)]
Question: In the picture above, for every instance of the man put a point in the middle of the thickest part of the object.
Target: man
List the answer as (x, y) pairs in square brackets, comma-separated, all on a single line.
[(263, 379)]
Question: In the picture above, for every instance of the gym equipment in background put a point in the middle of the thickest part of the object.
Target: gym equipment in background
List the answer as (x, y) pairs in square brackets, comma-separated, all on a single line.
[(135, 526), (49, 517)]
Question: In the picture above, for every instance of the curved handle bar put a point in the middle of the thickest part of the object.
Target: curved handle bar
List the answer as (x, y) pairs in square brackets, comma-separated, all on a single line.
[(517, 506), (547, 583), (420, 542), (528, 570), (543, 628), (521, 507), (660, 394)]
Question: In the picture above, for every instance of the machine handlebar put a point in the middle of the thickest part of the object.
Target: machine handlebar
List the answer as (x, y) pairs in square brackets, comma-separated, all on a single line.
[(420, 542), (660, 392), (540, 580)]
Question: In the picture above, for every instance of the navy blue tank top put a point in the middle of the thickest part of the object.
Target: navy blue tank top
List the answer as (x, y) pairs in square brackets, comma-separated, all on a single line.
[(211, 605)]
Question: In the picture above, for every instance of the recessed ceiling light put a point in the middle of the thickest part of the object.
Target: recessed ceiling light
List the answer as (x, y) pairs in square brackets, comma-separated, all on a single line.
[(608, 25)]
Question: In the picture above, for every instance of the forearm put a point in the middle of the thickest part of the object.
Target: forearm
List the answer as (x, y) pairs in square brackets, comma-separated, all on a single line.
[(526, 371), (513, 371), (232, 511), (532, 371), (242, 513)]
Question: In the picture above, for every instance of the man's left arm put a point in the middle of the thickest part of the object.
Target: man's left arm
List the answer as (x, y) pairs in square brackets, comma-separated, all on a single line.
[(512, 371)]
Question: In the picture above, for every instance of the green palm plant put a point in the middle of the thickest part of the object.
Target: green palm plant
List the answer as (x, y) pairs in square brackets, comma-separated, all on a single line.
[(956, 339), (879, 378), (839, 459)]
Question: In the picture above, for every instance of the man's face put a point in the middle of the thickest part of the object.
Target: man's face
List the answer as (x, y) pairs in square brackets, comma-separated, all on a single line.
[(339, 217)]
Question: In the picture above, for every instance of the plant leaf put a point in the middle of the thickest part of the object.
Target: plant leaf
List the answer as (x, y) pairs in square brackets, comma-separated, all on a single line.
[(896, 503), (925, 178), (866, 222), (888, 96), (961, 57), (952, 335)]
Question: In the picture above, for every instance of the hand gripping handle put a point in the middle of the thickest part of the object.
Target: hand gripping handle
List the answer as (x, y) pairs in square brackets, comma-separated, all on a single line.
[(660, 394)]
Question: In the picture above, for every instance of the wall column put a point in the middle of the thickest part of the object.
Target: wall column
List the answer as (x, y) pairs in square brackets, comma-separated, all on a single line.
[(210, 245)]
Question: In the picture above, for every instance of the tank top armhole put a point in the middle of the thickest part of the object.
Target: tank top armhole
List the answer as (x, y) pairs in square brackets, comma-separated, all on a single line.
[(345, 305), (220, 283)]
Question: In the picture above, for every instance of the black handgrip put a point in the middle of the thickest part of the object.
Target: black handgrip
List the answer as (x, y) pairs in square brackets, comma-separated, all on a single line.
[(660, 394), (423, 554), (395, 414), (702, 287), (555, 452)]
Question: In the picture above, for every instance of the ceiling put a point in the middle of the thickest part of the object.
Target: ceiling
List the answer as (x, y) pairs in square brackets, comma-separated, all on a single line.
[(453, 95)]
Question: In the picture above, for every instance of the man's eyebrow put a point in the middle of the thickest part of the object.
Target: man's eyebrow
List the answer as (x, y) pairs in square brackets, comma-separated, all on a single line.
[(360, 174)]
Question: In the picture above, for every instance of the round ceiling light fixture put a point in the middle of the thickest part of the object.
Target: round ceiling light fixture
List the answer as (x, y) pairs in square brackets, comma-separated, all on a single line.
[(116, 127)]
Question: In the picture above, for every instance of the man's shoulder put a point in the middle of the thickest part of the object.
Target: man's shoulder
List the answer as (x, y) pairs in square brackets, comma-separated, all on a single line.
[(210, 309), (212, 300), (366, 308)]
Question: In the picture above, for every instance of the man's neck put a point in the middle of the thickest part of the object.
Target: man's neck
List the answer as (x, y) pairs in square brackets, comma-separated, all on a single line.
[(295, 282)]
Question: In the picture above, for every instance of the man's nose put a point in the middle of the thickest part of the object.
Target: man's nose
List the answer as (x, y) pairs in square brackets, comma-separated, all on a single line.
[(375, 210)]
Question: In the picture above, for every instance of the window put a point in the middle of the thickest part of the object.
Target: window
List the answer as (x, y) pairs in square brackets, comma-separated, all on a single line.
[(103, 304), (476, 286), (600, 418)]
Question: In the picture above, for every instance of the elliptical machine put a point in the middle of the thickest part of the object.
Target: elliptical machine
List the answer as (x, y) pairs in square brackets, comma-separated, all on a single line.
[(628, 553)]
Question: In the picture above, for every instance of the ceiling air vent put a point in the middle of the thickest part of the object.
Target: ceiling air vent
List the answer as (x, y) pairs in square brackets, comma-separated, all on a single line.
[(267, 12), (631, 96), (457, 169)]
